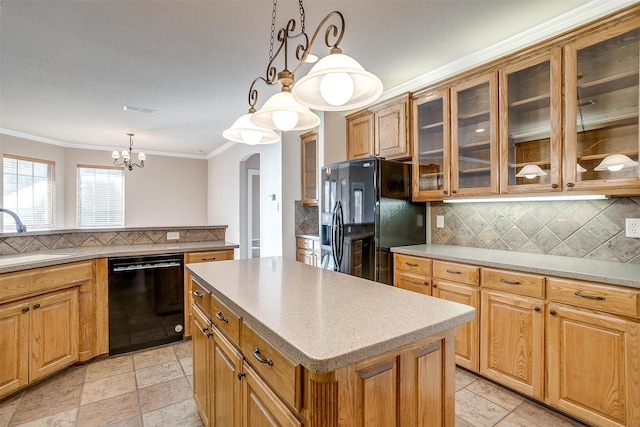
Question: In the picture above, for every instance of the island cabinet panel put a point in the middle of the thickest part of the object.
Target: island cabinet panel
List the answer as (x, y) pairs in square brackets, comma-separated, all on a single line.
[(226, 393), (593, 365), (201, 354), (260, 405), (14, 346), (512, 341)]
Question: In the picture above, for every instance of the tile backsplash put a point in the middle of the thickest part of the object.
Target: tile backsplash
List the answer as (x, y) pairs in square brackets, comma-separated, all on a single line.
[(592, 229), (65, 239), (307, 219)]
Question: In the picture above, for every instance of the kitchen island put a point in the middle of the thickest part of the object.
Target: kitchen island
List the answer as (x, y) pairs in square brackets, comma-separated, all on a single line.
[(318, 348)]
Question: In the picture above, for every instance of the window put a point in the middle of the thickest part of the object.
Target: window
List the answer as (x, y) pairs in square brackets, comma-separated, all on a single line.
[(28, 189), (100, 196)]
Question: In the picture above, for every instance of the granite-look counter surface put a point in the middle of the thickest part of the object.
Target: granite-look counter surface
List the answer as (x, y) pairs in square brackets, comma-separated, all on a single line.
[(46, 258), (614, 273), (322, 319)]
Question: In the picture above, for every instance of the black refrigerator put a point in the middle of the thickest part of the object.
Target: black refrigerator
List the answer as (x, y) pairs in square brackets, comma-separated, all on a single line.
[(366, 209)]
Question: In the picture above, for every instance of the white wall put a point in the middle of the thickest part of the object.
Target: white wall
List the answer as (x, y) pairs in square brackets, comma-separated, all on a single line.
[(291, 190), (334, 141), (169, 191), (225, 190)]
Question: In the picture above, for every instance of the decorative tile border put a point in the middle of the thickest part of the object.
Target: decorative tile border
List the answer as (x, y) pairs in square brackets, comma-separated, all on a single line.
[(31, 242), (592, 229)]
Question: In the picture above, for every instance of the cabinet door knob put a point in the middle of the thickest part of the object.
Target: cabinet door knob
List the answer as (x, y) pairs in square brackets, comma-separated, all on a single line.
[(453, 191), (536, 308), (552, 312), (36, 306), (444, 192), (25, 309), (554, 186), (434, 286), (569, 184), (241, 375)]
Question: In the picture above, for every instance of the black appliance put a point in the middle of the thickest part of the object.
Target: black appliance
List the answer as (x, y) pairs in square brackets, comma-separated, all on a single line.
[(365, 209), (146, 301)]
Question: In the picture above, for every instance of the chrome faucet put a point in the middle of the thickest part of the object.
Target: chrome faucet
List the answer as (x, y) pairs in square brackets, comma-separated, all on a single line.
[(20, 227)]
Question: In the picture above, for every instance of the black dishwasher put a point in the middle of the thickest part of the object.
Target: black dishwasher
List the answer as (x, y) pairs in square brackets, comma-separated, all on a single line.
[(146, 301)]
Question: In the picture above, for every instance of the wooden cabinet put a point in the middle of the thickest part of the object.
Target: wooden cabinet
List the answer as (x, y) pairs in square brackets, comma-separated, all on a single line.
[(308, 250), (201, 356), (226, 392), (381, 130), (531, 124), (412, 273), (14, 346), (431, 145), (474, 136), (192, 258), (512, 341), (601, 109), (309, 166)]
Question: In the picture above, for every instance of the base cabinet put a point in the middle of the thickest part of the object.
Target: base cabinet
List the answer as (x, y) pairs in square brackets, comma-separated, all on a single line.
[(593, 365), (201, 355), (14, 346), (512, 341), (261, 406), (226, 395)]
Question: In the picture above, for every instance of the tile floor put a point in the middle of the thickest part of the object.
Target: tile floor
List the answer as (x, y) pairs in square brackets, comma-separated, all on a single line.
[(153, 388)]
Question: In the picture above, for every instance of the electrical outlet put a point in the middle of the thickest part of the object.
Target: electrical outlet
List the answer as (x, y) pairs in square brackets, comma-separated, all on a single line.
[(632, 227), (439, 221), (173, 235)]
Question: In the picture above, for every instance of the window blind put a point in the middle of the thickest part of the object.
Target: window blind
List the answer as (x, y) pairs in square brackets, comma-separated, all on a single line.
[(28, 189), (100, 197)]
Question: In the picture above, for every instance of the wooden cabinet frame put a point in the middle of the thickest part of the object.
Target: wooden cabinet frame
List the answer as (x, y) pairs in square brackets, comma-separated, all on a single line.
[(309, 168)]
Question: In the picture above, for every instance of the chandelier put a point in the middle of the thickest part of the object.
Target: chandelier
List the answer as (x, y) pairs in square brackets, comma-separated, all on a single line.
[(126, 157), (336, 82)]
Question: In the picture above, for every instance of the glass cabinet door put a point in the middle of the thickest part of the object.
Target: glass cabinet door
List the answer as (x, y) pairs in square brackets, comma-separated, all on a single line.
[(309, 168), (474, 148), (431, 130), (601, 78), (530, 131)]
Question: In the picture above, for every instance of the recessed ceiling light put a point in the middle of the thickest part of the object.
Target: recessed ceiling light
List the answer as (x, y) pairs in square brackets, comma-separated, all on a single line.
[(199, 151), (139, 109)]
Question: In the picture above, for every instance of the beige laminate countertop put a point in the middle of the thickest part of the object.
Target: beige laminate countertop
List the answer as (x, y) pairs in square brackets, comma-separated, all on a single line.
[(322, 319), (48, 258), (614, 273)]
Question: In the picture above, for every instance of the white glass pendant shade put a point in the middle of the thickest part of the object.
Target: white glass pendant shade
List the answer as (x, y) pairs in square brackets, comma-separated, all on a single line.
[(115, 155), (579, 168), (615, 162), (326, 86), (125, 154), (284, 113), (530, 172), (246, 132), (142, 157)]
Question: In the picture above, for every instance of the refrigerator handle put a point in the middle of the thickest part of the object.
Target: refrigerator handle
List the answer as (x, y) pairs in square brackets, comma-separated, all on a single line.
[(340, 232), (334, 236)]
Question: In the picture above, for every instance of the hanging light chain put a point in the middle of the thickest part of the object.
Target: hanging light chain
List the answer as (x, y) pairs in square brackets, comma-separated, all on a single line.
[(301, 6), (273, 29)]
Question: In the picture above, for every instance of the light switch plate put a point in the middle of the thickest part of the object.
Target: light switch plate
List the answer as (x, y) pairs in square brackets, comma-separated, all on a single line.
[(439, 221), (173, 235), (632, 227)]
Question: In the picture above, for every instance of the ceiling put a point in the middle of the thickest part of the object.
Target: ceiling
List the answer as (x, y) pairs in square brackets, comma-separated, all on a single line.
[(67, 68)]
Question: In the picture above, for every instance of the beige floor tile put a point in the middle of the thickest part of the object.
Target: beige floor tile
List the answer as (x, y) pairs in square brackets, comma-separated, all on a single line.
[(496, 394), (183, 349), (8, 408), (48, 398), (154, 357), (109, 411), (183, 414), (164, 394), (464, 378), (105, 388), (462, 423), (477, 410), (61, 419), (109, 367), (532, 414), (187, 365), (131, 422), (158, 374)]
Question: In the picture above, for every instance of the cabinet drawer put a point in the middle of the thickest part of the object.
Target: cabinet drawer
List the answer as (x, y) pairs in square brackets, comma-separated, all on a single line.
[(226, 320), (607, 298), (206, 256), (303, 243), (201, 298), (413, 264), (412, 282), (515, 282), (281, 373), (461, 273)]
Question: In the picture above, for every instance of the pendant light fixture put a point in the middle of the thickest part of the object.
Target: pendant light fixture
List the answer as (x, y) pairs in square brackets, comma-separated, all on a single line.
[(530, 172), (127, 155), (615, 162), (244, 131), (336, 82)]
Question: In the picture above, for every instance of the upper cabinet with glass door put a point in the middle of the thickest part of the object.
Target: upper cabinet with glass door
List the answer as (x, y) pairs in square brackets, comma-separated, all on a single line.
[(474, 137), (530, 124), (431, 144), (601, 99)]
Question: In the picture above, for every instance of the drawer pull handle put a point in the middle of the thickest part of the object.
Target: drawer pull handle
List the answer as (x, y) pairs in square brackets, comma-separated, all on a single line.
[(208, 259), (595, 297), (410, 264), (197, 294), (453, 271), (509, 282), (256, 354), (219, 316)]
